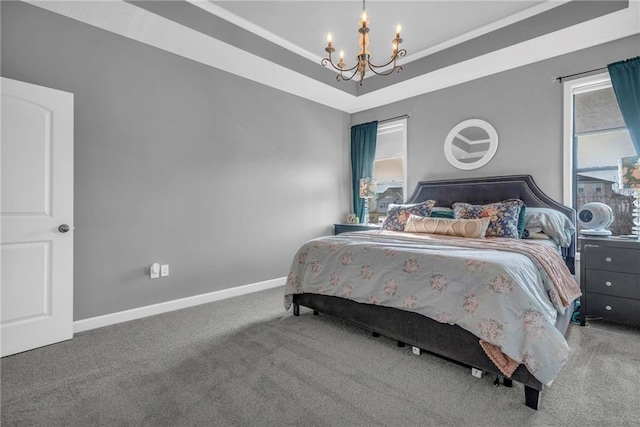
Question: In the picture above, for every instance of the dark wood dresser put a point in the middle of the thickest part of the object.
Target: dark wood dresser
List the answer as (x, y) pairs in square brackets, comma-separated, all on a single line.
[(610, 279)]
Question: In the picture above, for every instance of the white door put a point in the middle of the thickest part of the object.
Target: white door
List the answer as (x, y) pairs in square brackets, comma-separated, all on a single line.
[(36, 200)]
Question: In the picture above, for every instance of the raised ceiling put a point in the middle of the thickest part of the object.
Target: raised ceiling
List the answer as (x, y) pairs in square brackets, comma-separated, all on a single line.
[(280, 43)]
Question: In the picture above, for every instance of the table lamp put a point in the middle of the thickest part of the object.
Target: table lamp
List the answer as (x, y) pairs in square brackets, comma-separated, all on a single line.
[(629, 174), (367, 191)]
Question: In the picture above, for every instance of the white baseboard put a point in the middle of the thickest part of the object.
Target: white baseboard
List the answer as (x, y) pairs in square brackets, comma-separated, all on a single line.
[(150, 310)]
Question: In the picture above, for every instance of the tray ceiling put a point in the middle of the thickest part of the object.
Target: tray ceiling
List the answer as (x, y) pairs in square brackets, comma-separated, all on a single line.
[(280, 43)]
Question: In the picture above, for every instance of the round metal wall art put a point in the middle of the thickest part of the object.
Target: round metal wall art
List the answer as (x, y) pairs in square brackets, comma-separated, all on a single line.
[(471, 144)]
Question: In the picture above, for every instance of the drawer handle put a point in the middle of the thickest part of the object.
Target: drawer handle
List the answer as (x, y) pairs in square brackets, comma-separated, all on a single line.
[(607, 283), (608, 259), (608, 307)]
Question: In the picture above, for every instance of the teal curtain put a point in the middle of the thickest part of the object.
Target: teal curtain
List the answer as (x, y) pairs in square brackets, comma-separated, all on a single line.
[(363, 154), (625, 79)]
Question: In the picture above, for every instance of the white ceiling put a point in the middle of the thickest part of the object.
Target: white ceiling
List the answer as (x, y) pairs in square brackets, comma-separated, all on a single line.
[(280, 43)]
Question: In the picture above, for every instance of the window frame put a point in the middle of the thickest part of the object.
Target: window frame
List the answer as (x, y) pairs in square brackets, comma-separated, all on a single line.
[(570, 151), (571, 88)]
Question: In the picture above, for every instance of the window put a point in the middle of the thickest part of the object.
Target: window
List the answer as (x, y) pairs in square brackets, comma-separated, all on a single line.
[(598, 187), (595, 139), (390, 167)]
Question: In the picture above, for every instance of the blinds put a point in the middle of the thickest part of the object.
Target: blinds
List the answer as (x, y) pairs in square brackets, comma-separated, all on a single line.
[(390, 141), (597, 111)]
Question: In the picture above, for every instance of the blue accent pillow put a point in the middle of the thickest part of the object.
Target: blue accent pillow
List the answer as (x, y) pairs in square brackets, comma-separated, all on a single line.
[(503, 216), (439, 212), (522, 222), (397, 215)]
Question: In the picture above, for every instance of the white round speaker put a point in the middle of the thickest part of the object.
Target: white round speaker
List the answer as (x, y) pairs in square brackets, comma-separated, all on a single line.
[(595, 217)]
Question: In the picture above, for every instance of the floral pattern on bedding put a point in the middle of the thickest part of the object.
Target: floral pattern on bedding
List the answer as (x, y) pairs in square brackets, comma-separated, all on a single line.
[(501, 297)]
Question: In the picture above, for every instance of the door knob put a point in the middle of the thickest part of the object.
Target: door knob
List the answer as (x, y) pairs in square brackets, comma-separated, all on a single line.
[(64, 228)]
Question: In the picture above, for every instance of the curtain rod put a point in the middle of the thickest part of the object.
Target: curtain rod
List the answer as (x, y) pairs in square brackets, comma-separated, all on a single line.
[(389, 119), (559, 79), (395, 118)]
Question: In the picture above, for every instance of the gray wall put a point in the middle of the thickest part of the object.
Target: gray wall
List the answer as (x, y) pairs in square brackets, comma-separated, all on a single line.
[(223, 178), (524, 106), (179, 163)]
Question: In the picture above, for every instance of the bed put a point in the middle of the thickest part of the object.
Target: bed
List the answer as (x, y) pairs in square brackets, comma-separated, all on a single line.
[(444, 337)]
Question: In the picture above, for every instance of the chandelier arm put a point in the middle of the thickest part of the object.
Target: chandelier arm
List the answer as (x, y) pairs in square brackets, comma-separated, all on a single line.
[(346, 79), (397, 68), (372, 66), (401, 53), (328, 60)]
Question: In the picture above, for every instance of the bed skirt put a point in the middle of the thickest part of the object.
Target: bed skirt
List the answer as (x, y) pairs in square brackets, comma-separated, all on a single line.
[(447, 341)]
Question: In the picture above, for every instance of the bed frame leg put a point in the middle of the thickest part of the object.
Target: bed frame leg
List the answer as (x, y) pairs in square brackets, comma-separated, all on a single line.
[(501, 379), (296, 309), (400, 344), (315, 312), (375, 334), (531, 397)]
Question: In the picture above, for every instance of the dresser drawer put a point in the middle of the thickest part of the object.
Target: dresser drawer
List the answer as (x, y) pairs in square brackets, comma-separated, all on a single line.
[(612, 283), (621, 310), (612, 259)]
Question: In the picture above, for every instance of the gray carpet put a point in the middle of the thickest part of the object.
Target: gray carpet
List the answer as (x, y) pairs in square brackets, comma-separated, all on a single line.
[(244, 361)]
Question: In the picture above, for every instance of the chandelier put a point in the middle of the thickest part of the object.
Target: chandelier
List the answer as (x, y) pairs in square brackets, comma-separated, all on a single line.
[(364, 56)]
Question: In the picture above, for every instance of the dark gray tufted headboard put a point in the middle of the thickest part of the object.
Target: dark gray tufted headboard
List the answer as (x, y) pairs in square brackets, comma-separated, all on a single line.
[(494, 189)]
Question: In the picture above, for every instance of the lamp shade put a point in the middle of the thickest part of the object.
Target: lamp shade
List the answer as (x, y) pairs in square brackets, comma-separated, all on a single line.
[(367, 188), (628, 171)]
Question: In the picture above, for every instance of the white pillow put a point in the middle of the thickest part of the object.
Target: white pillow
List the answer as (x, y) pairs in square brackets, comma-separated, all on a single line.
[(553, 223)]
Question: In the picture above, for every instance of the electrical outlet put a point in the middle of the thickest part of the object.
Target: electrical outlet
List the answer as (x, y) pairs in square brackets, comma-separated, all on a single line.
[(164, 270), (477, 372), (416, 350), (154, 270)]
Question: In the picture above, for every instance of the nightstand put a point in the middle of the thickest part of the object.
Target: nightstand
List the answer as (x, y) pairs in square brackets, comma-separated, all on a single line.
[(344, 228), (610, 279)]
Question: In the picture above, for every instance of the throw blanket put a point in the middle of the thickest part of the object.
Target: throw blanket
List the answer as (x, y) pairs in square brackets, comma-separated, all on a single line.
[(507, 296), (564, 291)]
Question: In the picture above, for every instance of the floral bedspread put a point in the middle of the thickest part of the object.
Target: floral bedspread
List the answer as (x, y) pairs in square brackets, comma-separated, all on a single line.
[(502, 297)]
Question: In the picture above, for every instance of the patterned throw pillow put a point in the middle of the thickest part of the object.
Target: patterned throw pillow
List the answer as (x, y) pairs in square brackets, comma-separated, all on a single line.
[(503, 216), (476, 228), (397, 215)]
